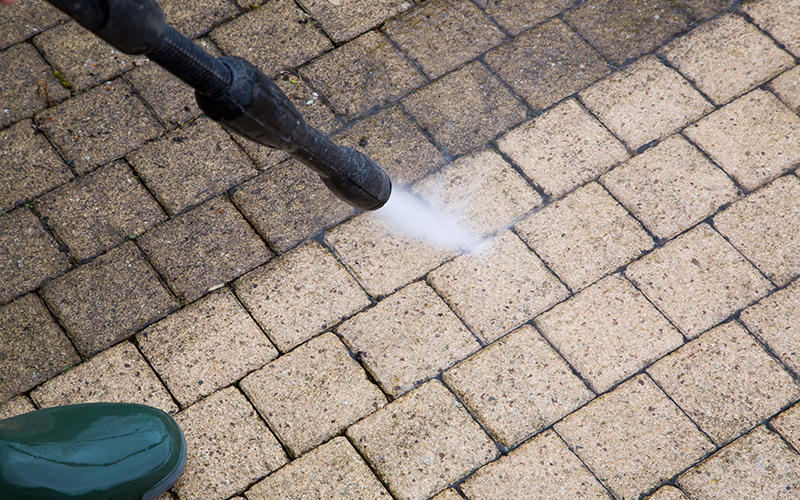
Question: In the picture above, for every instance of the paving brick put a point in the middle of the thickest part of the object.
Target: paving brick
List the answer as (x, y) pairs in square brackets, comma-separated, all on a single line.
[(422, 442), (485, 108), (584, 236), (100, 125), (765, 227), (563, 148), (117, 375), (516, 387), (700, 10), (697, 280), (482, 192), (667, 492), (312, 393), (302, 293), (205, 346), (82, 58), (449, 494), (24, 19), (633, 438), (518, 15), (727, 57), (540, 469), (779, 19), (275, 36), (195, 18), (608, 332), (190, 165), (105, 301), (645, 101), (441, 35), (787, 88), (288, 203), (30, 165), (498, 289), (381, 259), (725, 382), (407, 338), (376, 74), (788, 425), (345, 20), (28, 84), (33, 347), (758, 465), (28, 255), (547, 64), (392, 140), (334, 471), (229, 447), (99, 211), (17, 406), (670, 187), (775, 320), (755, 138)]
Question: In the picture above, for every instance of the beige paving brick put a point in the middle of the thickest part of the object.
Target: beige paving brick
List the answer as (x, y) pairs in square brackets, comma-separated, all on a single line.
[(563, 148), (99, 211), (345, 20), (670, 187), (312, 393), (300, 294), (755, 138), (82, 58), (105, 301), (210, 245), (517, 386), (275, 36), (24, 19), (449, 494), (633, 438), (28, 84), (443, 34), (788, 425), (775, 320), (787, 88), (540, 469), (382, 259), (117, 375), (584, 236), (30, 165), (779, 19), (33, 347), (407, 338), (498, 289), (229, 447), (377, 74), (645, 101), (621, 29), (547, 64), (334, 471), (432, 442), (392, 140), (100, 125), (485, 108), (667, 492), (725, 382), (758, 465), (205, 346), (288, 203), (765, 227), (518, 15), (190, 165), (697, 280), (195, 18), (28, 255), (482, 192), (700, 10), (727, 57), (17, 406), (608, 332)]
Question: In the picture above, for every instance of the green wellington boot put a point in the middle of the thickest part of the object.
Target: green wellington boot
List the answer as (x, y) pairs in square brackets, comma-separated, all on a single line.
[(100, 451)]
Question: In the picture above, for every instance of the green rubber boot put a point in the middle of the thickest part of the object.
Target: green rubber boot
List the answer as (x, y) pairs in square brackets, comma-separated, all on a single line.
[(100, 451)]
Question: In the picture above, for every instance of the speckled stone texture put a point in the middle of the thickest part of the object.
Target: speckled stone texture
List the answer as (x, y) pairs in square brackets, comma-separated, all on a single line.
[(17, 406), (788, 425), (775, 320), (518, 15), (198, 17), (344, 19), (667, 492), (778, 18), (787, 88), (517, 386), (434, 442), (24, 19), (449, 494)]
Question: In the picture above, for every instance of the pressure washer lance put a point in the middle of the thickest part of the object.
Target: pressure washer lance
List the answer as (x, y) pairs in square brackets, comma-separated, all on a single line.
[(233, 92)]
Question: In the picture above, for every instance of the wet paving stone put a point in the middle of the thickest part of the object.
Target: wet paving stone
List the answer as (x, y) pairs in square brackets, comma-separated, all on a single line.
[(787, 88), (787, 424), (343, 20), (778, 19), (25, 19), (16, 406), (198, 17), (518, 15), (775, 320)]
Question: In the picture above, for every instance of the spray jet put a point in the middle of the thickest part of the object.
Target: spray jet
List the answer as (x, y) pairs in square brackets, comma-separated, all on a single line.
[(235, 93)]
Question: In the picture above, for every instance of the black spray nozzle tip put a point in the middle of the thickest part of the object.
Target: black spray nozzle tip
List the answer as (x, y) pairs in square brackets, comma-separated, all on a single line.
[(359, 181)]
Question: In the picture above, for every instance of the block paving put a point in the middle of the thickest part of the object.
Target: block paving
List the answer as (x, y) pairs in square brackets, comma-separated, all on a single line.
[(622, 326)]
